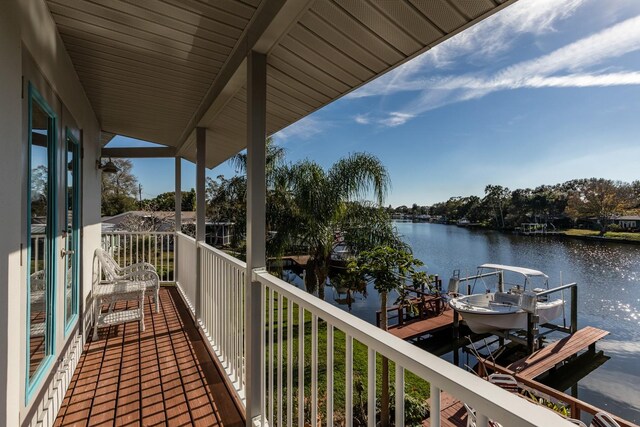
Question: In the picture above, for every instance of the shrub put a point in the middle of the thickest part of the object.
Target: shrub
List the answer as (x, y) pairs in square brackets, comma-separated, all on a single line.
[(614, 227)]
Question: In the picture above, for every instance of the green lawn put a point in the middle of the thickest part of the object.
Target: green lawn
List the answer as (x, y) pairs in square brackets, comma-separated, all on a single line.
[(416, 389), (621, 235)]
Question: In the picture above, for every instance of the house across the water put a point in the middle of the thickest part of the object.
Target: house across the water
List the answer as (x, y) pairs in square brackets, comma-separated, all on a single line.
[(631, 222)]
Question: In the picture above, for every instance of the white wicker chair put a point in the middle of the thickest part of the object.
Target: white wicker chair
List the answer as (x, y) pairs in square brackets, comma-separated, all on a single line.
[(602, 419), (139, 272)]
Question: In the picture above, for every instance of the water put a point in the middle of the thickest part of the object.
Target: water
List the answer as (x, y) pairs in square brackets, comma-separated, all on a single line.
[(608, 277)]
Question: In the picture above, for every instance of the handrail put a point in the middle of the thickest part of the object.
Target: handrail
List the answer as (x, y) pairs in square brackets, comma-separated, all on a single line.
[(558, 289), (185, 236), (575, 404), (233, 260), (483, 396), (120, 232)]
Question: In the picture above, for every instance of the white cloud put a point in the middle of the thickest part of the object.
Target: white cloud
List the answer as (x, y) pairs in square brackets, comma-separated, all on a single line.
[(396, 118), (362, 119), (304, 128), (543, 71), (567, 66), (496, 34), (483, 41)]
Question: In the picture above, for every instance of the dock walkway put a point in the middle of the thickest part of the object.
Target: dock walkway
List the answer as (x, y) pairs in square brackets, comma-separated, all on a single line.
[(555, 353), (422, 327)]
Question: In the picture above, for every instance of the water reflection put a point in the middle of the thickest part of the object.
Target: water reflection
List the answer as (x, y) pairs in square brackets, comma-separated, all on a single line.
[(608, 277)]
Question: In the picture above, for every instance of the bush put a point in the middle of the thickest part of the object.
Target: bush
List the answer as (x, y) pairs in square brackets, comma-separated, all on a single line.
[(614, 227), (415, 410)]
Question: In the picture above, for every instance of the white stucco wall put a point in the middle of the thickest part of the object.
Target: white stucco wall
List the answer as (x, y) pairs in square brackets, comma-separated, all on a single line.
[(27, 30), (11, 214)]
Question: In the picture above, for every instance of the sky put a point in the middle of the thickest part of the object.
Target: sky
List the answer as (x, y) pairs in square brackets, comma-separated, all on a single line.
[(540, 93)]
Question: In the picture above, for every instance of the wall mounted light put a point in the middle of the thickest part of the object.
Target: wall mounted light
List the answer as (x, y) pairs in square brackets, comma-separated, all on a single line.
[(108, 167)]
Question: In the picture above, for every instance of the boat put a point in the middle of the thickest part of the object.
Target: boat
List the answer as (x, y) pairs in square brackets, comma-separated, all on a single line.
[(500, 310), (340, 256)]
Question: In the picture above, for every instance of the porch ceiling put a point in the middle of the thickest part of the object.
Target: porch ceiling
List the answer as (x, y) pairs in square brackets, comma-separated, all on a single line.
[(154, 69)]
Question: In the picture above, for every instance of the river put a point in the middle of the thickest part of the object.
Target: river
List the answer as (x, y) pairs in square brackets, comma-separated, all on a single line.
[(608, 277)]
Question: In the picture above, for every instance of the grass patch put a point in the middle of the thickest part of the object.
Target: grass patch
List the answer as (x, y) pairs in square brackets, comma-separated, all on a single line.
[(416, 389), (618, 235)]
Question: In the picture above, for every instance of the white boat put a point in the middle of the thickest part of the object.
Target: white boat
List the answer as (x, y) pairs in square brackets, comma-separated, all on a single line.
[(499, 310)]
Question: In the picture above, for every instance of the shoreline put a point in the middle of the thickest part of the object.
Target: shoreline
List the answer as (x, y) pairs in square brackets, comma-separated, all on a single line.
[(557, 234)]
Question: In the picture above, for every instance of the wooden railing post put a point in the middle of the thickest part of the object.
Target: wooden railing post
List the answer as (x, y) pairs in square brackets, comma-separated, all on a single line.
[(574, 309)]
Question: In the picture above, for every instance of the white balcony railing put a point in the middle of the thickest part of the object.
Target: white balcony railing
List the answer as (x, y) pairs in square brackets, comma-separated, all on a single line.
[(307, 342), (222, 311), (186, 276), (156, 248)]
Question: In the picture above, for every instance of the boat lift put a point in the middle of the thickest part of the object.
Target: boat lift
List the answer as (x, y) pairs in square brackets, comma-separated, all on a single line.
[(534, 337)]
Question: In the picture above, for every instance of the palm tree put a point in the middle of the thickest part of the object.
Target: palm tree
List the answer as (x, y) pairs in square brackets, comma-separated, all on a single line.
[(322, 204), (274, 157)]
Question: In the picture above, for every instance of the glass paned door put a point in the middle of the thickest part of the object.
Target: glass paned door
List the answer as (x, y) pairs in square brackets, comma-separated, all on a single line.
[(40, 229), (72, 231)]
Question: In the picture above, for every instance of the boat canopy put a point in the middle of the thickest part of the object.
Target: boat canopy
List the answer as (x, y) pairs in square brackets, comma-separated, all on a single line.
[(524, 271)]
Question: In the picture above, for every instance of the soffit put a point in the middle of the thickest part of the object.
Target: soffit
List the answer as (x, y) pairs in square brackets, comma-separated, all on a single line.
[(334, 48), (146, 64)]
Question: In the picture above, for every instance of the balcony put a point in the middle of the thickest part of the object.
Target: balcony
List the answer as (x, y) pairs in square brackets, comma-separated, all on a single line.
[(163, 375), (183, 372)]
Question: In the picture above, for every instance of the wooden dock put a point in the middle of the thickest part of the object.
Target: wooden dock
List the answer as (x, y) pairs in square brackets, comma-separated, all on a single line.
[(555, 353), (418, 328), (296, 260)]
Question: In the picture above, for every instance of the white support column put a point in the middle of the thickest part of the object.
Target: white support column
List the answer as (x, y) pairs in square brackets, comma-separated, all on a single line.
[(178, 193), (201, 146), (178, 214), (256, 229)]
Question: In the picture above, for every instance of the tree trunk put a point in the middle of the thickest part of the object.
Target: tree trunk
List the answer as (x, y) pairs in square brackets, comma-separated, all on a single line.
[(384, 398)]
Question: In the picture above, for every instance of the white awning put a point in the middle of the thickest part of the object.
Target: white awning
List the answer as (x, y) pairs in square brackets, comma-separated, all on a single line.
[(521, 270)]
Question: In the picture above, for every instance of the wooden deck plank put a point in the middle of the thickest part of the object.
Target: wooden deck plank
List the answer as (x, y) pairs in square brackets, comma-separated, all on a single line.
[(452, 412), (162, 376), (423, 327), (548, 357)]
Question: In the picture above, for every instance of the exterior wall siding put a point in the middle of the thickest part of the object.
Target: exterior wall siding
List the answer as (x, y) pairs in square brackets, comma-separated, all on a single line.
[(11, 217), (31, 50)]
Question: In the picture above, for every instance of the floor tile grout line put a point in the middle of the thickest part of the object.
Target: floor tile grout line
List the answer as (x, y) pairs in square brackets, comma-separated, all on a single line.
[(199, 369), (123, 334), (184, 390), (155, 344), (97, 381)]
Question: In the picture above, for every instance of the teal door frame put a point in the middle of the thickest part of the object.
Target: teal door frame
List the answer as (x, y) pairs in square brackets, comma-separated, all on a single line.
[(72, 144), (50, 242)]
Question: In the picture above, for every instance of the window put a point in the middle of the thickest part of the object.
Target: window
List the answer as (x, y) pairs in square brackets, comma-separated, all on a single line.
[(41, 226)]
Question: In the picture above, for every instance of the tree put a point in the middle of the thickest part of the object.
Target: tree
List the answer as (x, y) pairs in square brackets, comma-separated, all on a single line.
[(39, 190), (317, 204), (189, 200), (497, 197), (389, 268), (635, 194), (119, 189), (274, 156), (162, 202), (598, 198), (227, 203)]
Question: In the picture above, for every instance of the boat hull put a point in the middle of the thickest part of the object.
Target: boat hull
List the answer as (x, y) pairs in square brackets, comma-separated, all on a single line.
[(483, 319)]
